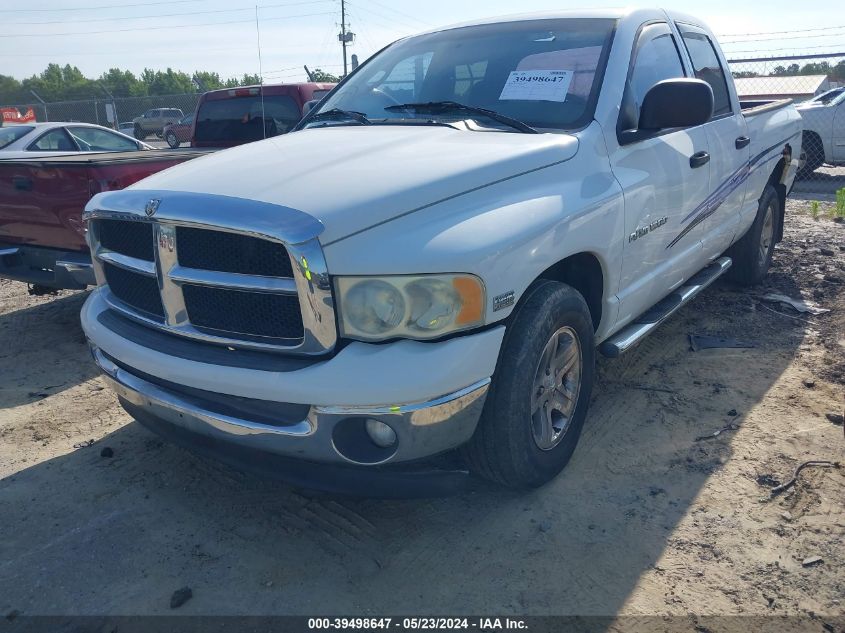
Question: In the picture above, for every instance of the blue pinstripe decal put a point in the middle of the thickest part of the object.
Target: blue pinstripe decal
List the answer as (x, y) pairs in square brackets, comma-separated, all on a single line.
[(710, 204)]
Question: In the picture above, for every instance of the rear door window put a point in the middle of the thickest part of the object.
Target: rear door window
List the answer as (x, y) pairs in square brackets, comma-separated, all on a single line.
[(706, 64), (56, 140), (239, 119)]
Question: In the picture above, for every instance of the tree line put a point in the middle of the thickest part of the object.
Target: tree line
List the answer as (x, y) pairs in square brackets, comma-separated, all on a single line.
[(67, 83), (834, 72)]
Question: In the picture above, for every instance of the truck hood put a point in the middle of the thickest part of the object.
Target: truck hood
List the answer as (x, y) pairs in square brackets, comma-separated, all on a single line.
[(354, 177)]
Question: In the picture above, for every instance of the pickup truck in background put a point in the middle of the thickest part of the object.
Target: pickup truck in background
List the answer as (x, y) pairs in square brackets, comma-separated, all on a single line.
[(501, 199), (824, 131), (42, 235), (234, 116)]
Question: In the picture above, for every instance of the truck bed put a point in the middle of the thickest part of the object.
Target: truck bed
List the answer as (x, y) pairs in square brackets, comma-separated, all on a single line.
[(42, 235)]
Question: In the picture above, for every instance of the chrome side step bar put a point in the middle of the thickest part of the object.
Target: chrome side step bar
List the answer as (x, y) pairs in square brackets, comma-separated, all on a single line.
[(647, 322)]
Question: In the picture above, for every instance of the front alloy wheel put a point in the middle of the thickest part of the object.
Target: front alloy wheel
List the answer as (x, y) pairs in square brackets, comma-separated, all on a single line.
[(540, 393), (557, 383)]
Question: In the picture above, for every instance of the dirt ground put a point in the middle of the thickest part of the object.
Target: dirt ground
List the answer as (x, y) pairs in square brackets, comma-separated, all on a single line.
[(655, 515)]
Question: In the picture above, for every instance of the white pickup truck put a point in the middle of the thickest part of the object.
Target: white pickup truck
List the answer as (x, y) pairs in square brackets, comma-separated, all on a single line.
[(824, 131), (432, 260)]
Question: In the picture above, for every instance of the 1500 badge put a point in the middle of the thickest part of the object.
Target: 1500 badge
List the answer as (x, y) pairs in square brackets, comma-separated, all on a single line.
[(642, 231)]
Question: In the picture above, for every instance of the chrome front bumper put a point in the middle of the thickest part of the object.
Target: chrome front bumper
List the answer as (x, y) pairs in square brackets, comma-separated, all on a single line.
[(323, 435)]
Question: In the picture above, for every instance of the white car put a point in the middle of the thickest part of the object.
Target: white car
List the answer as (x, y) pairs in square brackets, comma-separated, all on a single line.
[(51, 139), (824, 131), (506, 198)]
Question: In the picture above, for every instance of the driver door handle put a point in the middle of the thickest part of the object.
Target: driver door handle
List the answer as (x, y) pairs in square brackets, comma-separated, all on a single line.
[(742, 141), (699, 159)]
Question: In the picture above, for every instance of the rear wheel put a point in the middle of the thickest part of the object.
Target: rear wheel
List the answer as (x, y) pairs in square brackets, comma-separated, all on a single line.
[(538, 401), (172, 140), (752, 254)]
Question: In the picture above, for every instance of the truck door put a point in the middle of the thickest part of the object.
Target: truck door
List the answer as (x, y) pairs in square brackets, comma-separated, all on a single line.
[(664, 176), (727, 135)]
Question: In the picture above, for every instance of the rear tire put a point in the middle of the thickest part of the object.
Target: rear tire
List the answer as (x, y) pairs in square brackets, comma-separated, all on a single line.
[(172, 141), (752, 254), (538, 400)]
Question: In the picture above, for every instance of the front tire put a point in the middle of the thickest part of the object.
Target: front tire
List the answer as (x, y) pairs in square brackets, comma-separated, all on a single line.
[(752, 254), (172, 141), (138, 132), (538, 401)]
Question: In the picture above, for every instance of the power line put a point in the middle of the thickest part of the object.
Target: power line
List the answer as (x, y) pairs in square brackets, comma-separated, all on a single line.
[(821, 28), (791, 37), (171, 15), (108, 6), (385, 18), (407, 15), (789, 48), (172, 26)]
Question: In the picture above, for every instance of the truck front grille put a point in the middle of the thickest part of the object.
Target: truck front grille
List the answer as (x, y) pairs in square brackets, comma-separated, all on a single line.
[(137, 291), (128, 238), (232, 253), (251, 314), (221, 286)]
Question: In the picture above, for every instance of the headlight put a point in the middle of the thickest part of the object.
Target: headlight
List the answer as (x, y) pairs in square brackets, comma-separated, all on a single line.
[(419, 306)]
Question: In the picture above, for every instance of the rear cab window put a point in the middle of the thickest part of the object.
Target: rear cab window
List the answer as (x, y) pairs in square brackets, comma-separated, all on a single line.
[(239, 118), (707, 67)]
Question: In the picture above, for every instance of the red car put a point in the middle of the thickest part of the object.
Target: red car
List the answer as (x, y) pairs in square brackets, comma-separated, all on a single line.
[(234, 116), (180, 132)]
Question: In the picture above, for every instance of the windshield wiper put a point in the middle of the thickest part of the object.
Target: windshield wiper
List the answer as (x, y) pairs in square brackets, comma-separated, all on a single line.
[(443, 107), (337, 113)]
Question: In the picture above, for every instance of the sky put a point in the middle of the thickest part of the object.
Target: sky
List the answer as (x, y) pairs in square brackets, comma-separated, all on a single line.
[(220, 35)]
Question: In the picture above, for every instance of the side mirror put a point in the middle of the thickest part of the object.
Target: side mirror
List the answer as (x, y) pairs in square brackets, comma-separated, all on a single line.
[(306, 107), (676, 103)]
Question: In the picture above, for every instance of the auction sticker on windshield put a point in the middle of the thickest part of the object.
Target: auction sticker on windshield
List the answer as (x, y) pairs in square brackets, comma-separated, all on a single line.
[(537, 85)]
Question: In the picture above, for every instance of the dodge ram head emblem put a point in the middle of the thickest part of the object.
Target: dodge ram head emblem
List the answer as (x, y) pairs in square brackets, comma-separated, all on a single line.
[(152, 207)]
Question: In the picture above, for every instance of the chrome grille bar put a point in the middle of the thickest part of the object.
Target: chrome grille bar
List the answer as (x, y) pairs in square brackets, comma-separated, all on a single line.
[(131, 264), (233, 281)]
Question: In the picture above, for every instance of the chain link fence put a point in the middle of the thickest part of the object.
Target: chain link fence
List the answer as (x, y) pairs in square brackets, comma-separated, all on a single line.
[(817, 86), (100, 111)]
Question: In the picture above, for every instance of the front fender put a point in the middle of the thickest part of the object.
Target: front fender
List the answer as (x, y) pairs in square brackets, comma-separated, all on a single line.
[(507, 233)]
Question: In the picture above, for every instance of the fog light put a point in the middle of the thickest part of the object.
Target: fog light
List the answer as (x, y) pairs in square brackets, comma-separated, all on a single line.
[(381, 434)]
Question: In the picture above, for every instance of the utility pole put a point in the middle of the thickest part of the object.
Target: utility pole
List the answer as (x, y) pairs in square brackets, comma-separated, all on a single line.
[(343, 32), (345, 37)]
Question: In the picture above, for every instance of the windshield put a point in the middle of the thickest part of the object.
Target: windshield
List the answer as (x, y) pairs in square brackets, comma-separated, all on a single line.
[(829, 97), (541, 72), (240, 118), (9, 135)]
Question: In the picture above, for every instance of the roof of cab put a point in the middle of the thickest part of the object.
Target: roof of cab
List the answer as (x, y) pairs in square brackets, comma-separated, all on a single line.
[(295, 86)]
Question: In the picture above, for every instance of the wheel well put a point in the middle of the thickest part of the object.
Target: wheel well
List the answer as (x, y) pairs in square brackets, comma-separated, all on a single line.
[(814, 137), (776, 180), (584, 273)]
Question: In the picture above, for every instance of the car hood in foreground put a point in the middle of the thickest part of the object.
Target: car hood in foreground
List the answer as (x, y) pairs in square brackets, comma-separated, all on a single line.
[(354, 177)]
